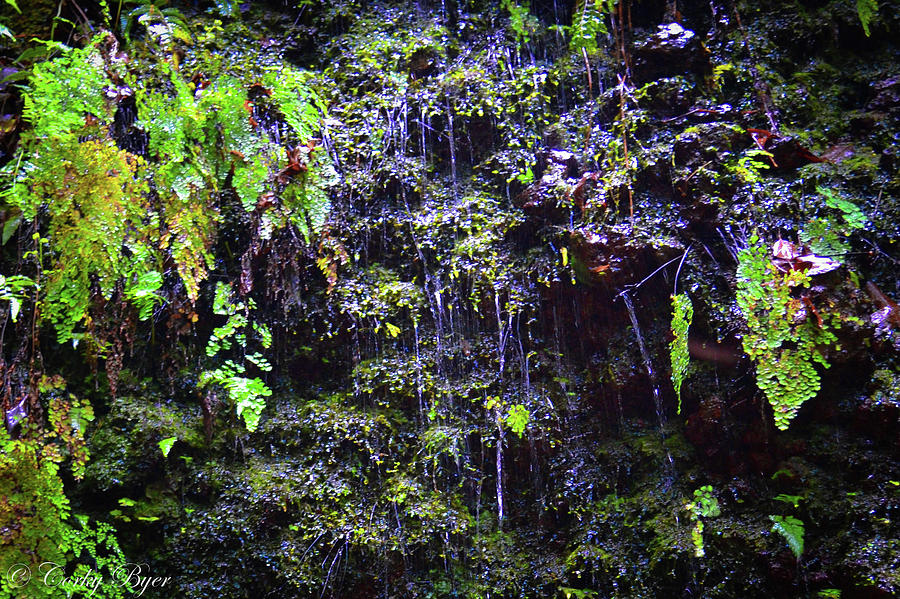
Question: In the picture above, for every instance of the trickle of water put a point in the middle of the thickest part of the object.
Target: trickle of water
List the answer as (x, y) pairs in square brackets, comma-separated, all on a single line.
[(648, 364)]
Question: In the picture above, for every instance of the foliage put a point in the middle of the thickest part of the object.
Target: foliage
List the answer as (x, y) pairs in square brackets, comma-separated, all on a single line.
[(792, 530), (571, 593), (167, 22), (783, 339), (61, 92), (247, 393), (867, 10), (588, 24), (166, 445), (521, 21), (115, 217), (37, 522), (96, 225), (827, 235), (705, 505), (12, 289), (517, 419), (682, 314)]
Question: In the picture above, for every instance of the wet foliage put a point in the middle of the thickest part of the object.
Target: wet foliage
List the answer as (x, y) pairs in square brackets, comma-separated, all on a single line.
[(376, 299)]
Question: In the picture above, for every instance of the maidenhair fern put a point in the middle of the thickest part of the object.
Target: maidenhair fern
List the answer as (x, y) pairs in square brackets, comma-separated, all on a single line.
[(116, 218), (704, 505), (62, 91), (246, 393), (828, 233), (682, 314), (784, 340)]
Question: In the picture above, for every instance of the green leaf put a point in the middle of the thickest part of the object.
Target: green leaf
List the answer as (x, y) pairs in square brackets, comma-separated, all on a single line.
[(793, 500), (706, 504), (682, 315), (867, 10), (14, 5), (792, 530), (9, 227), (166, 445), (517, 419)]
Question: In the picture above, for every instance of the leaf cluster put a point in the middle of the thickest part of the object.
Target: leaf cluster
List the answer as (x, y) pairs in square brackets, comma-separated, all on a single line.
[(682, 314), (783, 339), (246, 393)]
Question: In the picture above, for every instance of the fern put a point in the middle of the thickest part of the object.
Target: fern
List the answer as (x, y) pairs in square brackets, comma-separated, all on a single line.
[(291, 93), (93, 217), (63, 90), (12, 289), (142, 293), (682, 314), (867, 10), (587, 25), (517, 418), (826, 235), (792, 530), (307, 203), (782, 340), (521, 21), (248, 394), (32, 496), (854, 218)]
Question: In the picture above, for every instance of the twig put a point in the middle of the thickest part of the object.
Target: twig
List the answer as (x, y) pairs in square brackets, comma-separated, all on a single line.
[(645, 279), (678, 272)]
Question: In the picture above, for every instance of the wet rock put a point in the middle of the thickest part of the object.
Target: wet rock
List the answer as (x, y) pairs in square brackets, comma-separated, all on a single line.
[(887, 95), (707, 141), (667, 97), (615, 259), (789, 154), (422, 63), (673, 50), (556, 171)]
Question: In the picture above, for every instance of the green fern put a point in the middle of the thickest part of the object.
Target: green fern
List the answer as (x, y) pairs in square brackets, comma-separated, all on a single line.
[(782, 340), (248, 394), (587, 25), (828, 235), (517, 418), (867, 10), (291, 93), (854, 217), (32, 495), (12, 290), (62, 91), (523, 23), (792, 530), (682, 314)]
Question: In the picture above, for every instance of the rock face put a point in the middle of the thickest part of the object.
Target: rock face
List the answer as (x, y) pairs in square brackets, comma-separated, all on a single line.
[(672, 50), (556, 171), (887, 95), (471, 384)]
